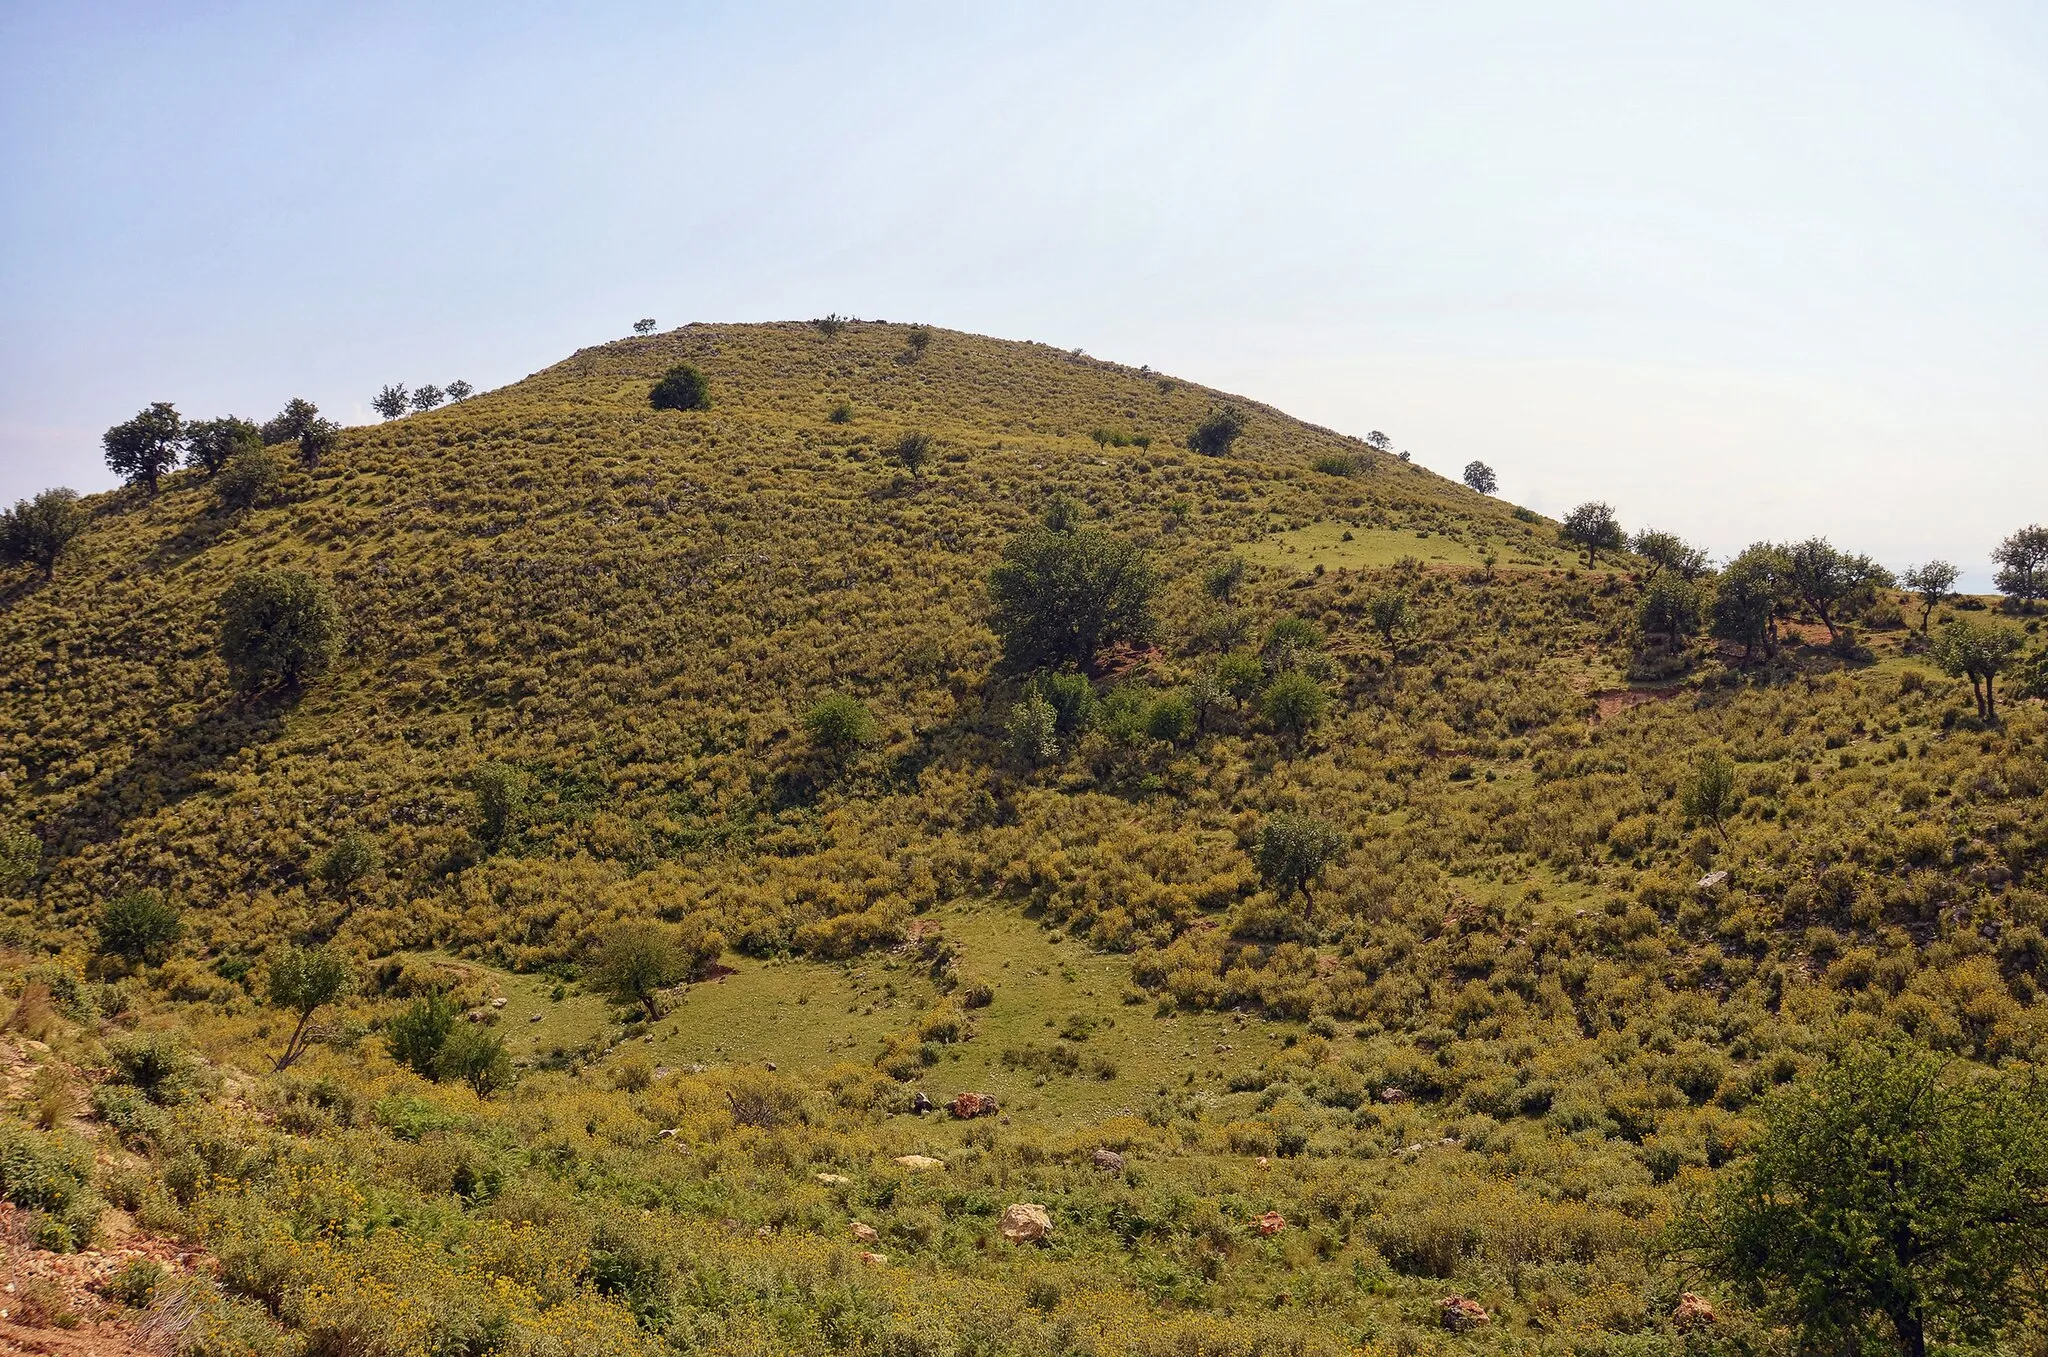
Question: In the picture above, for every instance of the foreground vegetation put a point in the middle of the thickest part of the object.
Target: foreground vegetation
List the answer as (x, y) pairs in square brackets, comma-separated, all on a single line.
[(1355, 943)]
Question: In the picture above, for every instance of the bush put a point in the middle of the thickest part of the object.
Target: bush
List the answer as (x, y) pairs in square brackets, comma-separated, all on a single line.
[(839, 726), (477, 1058), (140, 926), (353, 857), (156, 1063), (1032, 730), (1214, 436), (52, 1176), (248, 478), (1293, 850), (1294, 704), (1337, 464), (1171, 718), (500, 802), (278, 627), (416, 1036), (914, 450), (1061, 595), (683, 387)]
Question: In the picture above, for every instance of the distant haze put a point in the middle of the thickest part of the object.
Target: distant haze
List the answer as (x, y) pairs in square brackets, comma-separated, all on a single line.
[(1744, 270)]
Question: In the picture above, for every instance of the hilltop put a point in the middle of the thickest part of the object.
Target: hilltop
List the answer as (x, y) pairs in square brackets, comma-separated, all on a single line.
[(1523, 1003)]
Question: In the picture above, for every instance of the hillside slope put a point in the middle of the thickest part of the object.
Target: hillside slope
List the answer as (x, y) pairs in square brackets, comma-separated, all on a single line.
[(1527, 1003)]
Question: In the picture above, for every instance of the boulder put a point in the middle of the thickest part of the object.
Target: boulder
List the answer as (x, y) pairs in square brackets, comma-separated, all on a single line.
[(1460, 1315), (1693, 1312), (1271, 1223), (1025, 1222), (866, 1234), (918, 1163), (832, 1179), (1390, 1094), (967, 1106), (1712, 881), (1107, 1159), (872, 1259)]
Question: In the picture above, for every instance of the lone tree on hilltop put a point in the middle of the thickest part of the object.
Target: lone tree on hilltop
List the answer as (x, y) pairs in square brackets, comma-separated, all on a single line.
[(1934, 583), (1668, 551), (1829, 581), (1214, 436), (1378, 440), (1292, 852), (427, 397), (682, 387), (211, 443), (38, 531), (1480, 477), (145, 447), (304, 980), (1062, 593), (1894, 1198), (278, 627), (914, 450), (1979, 652), (2023, 565), (459, 391), (392, 401), (644, 326), (1593, 527)]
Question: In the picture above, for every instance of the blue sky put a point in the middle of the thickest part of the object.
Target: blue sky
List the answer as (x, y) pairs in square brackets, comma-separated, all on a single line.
[(1743, 269)]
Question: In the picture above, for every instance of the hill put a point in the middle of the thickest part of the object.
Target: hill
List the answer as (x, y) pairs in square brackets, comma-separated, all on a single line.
[(1531, 996)]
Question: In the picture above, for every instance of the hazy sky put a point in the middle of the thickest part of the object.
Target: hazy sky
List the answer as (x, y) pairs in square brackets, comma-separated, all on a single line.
[(1742, 269)]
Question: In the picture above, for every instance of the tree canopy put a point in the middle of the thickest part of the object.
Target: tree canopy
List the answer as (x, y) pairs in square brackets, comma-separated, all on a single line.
[(1593, 527), (278, 627), (682, 387), (1933, 582), (1480, 477), (1215, 435), (142, 449), (1979, 652), (37, 531), (2022, 561), (1060, 595)]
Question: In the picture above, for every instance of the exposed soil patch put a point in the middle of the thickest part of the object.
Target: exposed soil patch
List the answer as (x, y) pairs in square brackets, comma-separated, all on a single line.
[(1614, 701)]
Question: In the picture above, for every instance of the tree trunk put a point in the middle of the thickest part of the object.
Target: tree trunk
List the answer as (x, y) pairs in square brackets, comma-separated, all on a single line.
[(1912, 1333)]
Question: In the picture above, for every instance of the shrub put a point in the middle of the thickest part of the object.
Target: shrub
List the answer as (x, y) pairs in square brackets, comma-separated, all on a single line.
[(501, 793), (52, 1176), (416, 1036), (1293, 850), (21, 853), (38, 531), (1171, 718), (157, 1063), (278, 627), (1294, 704), (248, 478), (1060, 595), (914, 450), (353, 858), (1337, 464), (839, 726), (140, 926), (477, 1058), (682, 387), (1215, 435), (1032, 730)]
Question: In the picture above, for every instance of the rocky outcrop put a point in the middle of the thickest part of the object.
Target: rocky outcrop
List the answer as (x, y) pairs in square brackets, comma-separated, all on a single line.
[(1025, 1223)]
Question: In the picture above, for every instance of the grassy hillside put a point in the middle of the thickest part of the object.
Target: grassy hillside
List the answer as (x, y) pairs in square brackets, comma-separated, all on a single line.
[(1514, 1021)]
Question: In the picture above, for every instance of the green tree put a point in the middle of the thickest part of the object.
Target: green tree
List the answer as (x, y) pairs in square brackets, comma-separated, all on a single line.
[(1934, 583), (1593, 527), (1480, 477), (1292, 852), (1171, 718), (1240, 675), (145, 447), (290, 423), (38, 531), (427, 397), (1668, 552), (1747, 600), (1294, 704), (2023, 565), (1291, 642), (635, 962), (391, 401), (1709, 794), (840, 726), (501, 793), (1979, 652), (682, 387), (1830, 582), (644, 326), (477, 1058), (1032, 730), (919, 340), (1669, 608), (1392, 617), (304, 980), (140, 927), (319, 438), (1215, 435), (211, 443), (21, 852), (914, 450), (1059, 595), (248, 478), (1221, 580), (459, 391), (353, 858), (1893, 1199), (278, 627), (417, 1035)]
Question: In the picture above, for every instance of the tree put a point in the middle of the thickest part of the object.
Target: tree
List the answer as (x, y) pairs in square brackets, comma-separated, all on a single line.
[(427, 397), (637, 961), (210, 444), (1829, 581), (1670, 608), (1214, 436), (644, 326), (839, 726), (477, 1058), (1032, 730), (1893, 1196), (1934, 583), (278, 627), (919, 340), (500, 802), (145, 447), (2023, 565), (1709, 793), (320, 437), (21, 852), (290, 423), (304, 980), (416, 1036), (1979, 652), (914, 450), (1379, 441), (1480, 477), (38, 531), (353, 857), (1292, 852), (682, 387), (140, 926), (459, 391), (1392, 617), (1294, 704), (249, 476), (1060, 594), (1593, 527), (1747, 599), (392, 401), (1668, 551)]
